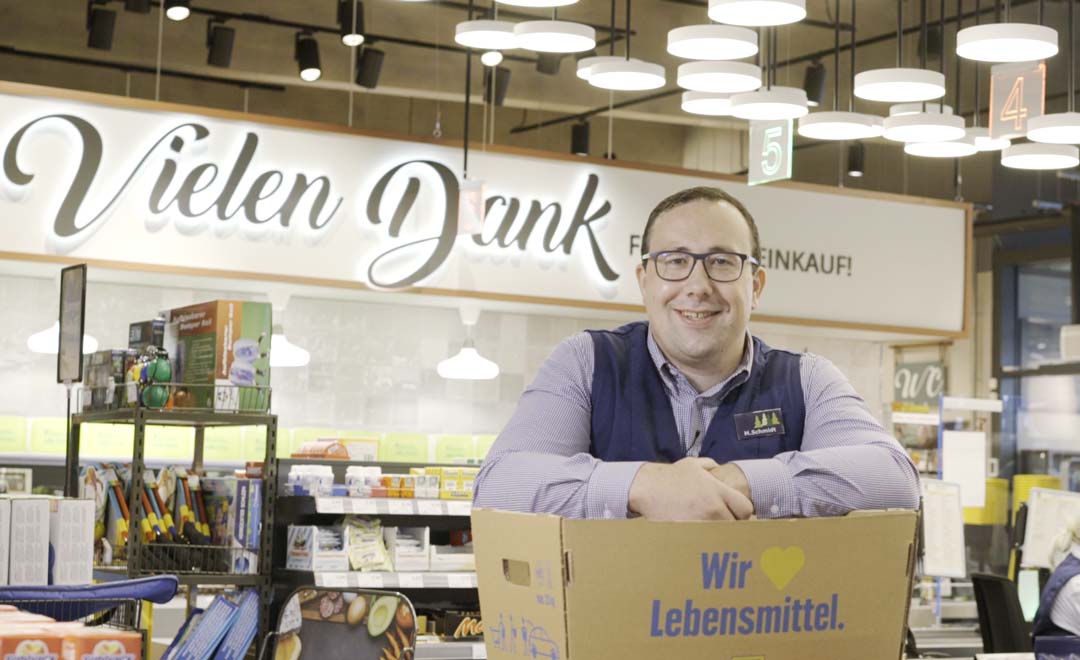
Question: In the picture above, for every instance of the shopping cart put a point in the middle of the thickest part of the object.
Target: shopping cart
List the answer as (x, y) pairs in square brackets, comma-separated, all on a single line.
[(112, 604)]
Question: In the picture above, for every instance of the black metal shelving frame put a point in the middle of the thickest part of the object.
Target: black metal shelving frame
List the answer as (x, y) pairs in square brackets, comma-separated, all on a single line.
[(200, 420)]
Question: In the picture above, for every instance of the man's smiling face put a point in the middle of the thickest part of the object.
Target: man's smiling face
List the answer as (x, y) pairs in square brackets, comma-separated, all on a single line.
[(697, 321)]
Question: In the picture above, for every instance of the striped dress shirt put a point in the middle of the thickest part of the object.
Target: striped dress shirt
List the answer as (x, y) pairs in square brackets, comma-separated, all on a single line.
[(541, 463)]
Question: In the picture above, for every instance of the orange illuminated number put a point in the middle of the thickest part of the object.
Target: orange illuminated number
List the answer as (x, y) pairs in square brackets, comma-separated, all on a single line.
[(1015, 110)]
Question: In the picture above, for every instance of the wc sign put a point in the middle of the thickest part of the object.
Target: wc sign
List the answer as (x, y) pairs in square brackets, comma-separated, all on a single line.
[(919, 383)]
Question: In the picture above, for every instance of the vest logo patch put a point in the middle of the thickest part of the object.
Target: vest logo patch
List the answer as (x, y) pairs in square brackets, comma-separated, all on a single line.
[(759, 423)]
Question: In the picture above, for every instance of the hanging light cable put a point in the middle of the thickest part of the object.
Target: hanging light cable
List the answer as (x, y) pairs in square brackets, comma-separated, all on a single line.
[(900, 84), (628, 74), (774, 102), (1060, 127)]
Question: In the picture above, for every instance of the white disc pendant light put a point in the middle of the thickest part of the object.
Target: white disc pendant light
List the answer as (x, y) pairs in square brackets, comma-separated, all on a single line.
[(1057, 128), (627, 75), (537, 3), (485, 34), (712, 42), (839, 125), (719, 77), (924, 127), (554, 36), (898, 85), (1007, 42), (757, 13), (585, 64), (770, 104), (706, 103), (1036, 156), (961, 148), (983, 141)]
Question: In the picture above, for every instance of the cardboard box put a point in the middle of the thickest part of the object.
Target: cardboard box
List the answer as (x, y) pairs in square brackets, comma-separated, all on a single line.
[(71, 540), (234, 507), (28, 551), (143, 334), (29, 643), (820, 588), (223, 343), (102, 644), (408, 547), (317, 548)]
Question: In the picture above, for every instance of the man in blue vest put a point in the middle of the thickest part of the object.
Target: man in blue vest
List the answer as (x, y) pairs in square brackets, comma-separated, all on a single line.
[(1057, 622), (688, 416)]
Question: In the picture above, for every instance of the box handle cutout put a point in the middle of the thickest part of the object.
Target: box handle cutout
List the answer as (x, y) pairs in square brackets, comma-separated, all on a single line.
[(517, 572)]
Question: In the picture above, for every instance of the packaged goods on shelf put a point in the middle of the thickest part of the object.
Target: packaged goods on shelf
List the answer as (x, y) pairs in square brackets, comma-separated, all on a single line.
[(361, 449), (104, 379), (455, 483), (408, 547), (360, 480), (314, 480), (222, 349), (26, 642), (5, 539), (97, 642), (234, 511), (317, 548), (365, 545), (427, 482), (329, 449), (143, 334), (28, 550), (71, 541)]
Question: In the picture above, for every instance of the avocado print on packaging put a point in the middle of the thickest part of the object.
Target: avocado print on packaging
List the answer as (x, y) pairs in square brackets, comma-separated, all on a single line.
[(377, 624)]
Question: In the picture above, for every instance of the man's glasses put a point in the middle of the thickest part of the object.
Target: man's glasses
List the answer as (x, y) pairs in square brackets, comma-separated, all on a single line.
[(676, 265)]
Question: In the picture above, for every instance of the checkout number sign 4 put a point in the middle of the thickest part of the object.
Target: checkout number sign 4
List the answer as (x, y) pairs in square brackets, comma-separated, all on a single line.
[(770, 151), (1017, 94)]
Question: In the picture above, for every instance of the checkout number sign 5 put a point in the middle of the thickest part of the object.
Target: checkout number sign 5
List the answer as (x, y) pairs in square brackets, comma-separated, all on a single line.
[(769, 151)]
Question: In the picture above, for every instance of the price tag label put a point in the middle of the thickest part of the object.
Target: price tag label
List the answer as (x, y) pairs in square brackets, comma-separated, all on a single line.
[(369, 580), (330, 505), (362, 506), (429, 508), (332, 580), (1017, 94), (401, 508), (410, 580), (770, 151), (459, 508), (461, 580), (478, 651)]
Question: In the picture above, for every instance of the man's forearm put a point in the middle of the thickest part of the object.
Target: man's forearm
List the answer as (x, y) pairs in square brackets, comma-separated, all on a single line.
[(578, 486)]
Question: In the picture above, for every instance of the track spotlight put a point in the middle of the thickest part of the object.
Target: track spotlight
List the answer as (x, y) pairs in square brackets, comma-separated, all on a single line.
[(219, 43), (351, 20), (368, 67), (579, 139), (307, 57), (177, 10), (814, 80), (502, 83), (491, 58), (548, 63), (137, 6), (856, 159), (99, 26)]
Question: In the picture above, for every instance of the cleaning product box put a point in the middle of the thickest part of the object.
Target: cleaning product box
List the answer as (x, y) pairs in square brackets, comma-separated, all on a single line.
[(71, 540), (234, 510), (28, 550), (795, 589), (221, 355)]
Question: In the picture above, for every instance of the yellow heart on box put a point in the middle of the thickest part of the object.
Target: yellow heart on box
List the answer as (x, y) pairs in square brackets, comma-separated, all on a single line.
[(781, 565)]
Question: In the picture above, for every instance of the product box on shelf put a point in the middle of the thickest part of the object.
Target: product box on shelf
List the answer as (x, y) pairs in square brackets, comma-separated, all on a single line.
[(28, 550), (144, 334), (224, 345), (102, 642), (408, 547), (234, 509), (317, 548), (456, 483), (71, 540), (104, 378), (815, 588), (26, 642)]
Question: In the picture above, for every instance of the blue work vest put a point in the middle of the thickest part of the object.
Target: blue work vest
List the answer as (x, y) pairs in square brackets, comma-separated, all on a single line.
[(1064, 572), (632, 418)]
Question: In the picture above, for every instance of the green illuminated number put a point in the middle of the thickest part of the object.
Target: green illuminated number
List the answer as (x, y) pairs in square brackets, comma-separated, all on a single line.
[(772, 154), (1015, 110)]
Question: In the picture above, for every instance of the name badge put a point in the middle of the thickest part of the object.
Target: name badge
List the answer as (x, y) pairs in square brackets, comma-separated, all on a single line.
[(759, 423)]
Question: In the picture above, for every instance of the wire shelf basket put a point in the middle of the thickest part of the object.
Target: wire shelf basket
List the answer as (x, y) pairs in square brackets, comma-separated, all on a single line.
[(195, 397), (182, 559)]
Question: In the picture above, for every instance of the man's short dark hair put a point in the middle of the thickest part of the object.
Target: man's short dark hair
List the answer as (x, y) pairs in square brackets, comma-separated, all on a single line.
[(708, 194)]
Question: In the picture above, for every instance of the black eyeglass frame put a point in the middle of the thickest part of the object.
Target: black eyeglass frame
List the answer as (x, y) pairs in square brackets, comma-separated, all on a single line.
[(699, 256)]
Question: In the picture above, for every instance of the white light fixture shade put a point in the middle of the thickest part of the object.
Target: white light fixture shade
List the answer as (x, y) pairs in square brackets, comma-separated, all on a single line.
[(537, 3), (965, 146), (924, 127), (352, 40), (284, 353), (706, 103), (177, 11), (491, 58), (468, 364), (983, 141), (769, 104), (1007, 42), (901, 109), (485, 34), (1057, 128), (1037, 156), (755, 13), (712, 42), (47, 341), (310, 74), (585, 64), (627, 75), (899, 85), (554, 36), (840, 126), (719, 77)]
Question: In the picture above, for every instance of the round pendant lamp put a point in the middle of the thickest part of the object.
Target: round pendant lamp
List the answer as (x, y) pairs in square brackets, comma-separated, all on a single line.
[(485, 34), (626, 75), (1060, 127), (585, 64), (1007, 42), (898, 85), (719, 77), (1036, 156), (706, 103), (965, 146), (712, 42), (770, 104), (924, 127), (554, 36), (757, 13), (537, 3), (983, 141)]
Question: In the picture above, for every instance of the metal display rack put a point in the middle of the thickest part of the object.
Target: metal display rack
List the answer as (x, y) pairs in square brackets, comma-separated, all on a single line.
[(193, 565)]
